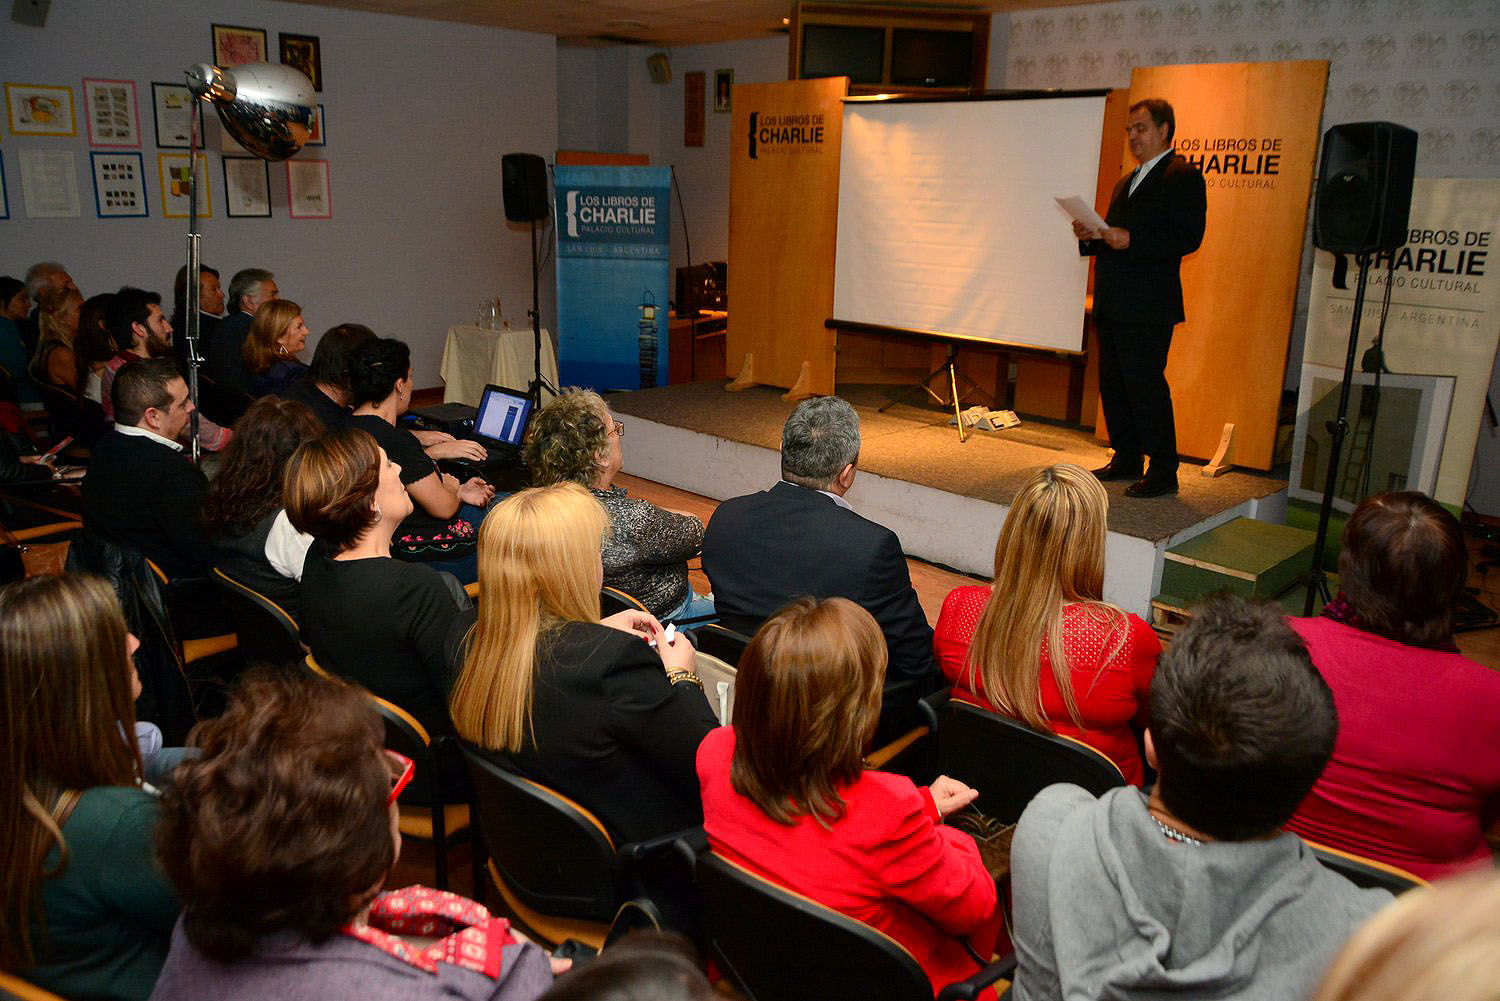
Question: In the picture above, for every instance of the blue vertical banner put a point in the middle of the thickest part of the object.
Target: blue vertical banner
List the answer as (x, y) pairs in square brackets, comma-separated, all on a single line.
[(612, 272)]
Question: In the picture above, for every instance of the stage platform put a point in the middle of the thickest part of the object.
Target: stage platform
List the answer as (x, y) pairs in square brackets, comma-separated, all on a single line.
[(944, 499)]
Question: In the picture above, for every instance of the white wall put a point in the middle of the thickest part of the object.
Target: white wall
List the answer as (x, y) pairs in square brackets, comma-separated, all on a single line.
[(418, 112)]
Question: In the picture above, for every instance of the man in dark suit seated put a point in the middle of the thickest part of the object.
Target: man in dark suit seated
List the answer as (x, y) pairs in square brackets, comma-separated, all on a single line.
[(801, 538), (140, 491), (224, 363), (1156, 217)]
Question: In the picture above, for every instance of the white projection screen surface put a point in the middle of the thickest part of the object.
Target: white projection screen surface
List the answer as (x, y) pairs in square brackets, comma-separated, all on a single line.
[(947, 221)]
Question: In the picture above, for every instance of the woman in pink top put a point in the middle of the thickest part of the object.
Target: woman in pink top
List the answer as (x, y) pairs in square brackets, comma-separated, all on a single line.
[(1415, 775), (995, 643)]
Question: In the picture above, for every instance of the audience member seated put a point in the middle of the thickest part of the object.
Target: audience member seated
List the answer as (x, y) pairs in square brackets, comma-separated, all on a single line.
[(1433, 944), (210, 309), (140, 491), (95, 345), (1415, 776), (443, 527), (324, 387), (243, 514), (85, 911), (1193, 892), (786, 793), (576, 439), (279, 840), (54, 363), (16, 468), (223, 352), (1048, 595), (276, 335), (142, 331), (39, 277), (367, 617), (14, 353), (642, 966), (802, 538), (581, 705)]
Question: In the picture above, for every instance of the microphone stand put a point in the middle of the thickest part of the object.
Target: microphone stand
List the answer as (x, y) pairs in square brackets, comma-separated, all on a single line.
[(538, 383)]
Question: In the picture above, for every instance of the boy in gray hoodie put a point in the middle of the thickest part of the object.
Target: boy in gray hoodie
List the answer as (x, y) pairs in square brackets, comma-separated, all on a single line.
[(1194, 891)]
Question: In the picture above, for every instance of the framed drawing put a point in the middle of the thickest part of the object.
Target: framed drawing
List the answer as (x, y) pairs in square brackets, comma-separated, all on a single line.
[(172, 107), (723, 80), (317, 137), (119, 185), (175, 174), (693, 85), (247, 188), (40, 110), (308, 194), (301, 52), (112, 114), (4, 195), (235, 46)]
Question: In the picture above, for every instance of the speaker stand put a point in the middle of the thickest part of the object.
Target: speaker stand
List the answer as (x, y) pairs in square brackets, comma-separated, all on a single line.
[(1338, 429), (538, 383)]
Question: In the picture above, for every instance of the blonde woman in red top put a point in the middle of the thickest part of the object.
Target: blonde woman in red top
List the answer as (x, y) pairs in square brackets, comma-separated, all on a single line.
[(996, 643)]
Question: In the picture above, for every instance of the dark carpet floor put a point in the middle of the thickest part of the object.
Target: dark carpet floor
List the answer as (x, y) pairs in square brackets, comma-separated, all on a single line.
[(916, 444)]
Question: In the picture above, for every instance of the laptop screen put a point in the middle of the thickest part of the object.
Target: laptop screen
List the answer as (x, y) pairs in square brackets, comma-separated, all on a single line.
[(503, 416)]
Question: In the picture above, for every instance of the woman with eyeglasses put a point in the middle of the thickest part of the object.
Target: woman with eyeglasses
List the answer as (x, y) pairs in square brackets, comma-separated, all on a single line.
[(575, 439), (280, 839), (84, 911)]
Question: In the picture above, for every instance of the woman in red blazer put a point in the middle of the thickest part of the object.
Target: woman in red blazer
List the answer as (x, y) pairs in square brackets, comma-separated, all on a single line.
[(786, 794), (998, 645)]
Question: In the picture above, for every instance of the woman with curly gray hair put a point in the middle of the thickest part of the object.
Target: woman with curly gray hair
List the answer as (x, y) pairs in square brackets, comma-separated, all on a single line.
[(575, 439)]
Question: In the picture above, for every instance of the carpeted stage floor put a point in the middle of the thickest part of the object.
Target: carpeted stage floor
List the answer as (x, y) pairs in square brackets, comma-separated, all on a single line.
[(916, 444)]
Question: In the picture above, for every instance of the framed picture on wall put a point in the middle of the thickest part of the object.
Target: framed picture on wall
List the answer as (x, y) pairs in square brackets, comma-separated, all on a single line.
[(174, 171), (247, 188), (723, 80), (119, 185), (317, 137), (308, 193), (302, 52), (693, 85), (172, 108), (49, 183), (4, 194), (112, 114), (235, 46), (40, 110)]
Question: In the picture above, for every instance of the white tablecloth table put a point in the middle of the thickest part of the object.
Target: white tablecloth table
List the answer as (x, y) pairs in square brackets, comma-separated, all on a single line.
[(474, 357)]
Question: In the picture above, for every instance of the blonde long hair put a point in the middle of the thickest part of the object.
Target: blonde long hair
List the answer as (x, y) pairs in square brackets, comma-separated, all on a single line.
[(538, 568), (1050, 555), (271, 321)]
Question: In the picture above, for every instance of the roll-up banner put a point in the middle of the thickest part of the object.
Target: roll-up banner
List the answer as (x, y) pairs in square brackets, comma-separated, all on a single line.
[(612, 274)]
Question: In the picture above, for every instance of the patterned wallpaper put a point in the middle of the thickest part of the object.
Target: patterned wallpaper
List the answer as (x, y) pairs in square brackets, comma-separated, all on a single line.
[(1431, 65)]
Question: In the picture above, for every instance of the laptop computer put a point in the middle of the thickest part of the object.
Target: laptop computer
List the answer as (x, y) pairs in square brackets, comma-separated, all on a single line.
[(500, 426)]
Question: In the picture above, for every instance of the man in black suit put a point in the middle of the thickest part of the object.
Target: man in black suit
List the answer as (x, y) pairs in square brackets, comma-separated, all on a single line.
[(802, 538), (224, 363), (140, 492), (1155, 218)]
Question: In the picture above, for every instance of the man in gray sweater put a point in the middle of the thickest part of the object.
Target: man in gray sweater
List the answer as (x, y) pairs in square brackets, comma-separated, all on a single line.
[(1194, 891)]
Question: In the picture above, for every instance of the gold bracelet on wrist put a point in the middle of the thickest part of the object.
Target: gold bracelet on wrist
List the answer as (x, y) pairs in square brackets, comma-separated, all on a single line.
[(680, 676)]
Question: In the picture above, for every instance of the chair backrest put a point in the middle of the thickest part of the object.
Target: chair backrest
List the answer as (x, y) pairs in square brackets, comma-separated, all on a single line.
[(268, 634), (1009, 763), (722, 642), (553, 854), (612, 600), (718, 685), (1366, 873), (12, 986), (405, 735), (775, 944)]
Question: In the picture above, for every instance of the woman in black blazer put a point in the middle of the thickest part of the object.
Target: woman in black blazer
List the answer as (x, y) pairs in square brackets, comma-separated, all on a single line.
[(582, 705)]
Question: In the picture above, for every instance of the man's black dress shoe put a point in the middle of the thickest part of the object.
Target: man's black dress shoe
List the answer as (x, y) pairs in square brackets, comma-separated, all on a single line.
[(1147, 487), (1112, 472)]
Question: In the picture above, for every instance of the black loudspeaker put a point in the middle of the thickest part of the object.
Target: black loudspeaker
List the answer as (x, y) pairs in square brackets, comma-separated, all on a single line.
[(31, 12), (1363, 196), (523, 179)]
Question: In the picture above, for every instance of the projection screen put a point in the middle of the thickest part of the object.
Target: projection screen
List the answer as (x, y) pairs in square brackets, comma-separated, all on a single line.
[(947, 222)]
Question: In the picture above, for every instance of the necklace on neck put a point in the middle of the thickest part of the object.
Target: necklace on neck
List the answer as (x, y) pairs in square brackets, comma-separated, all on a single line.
[(1173, 834)]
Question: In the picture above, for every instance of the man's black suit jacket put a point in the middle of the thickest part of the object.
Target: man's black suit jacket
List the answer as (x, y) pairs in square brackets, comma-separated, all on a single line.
[(142, 495), (1165, 217), (762, 550)]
